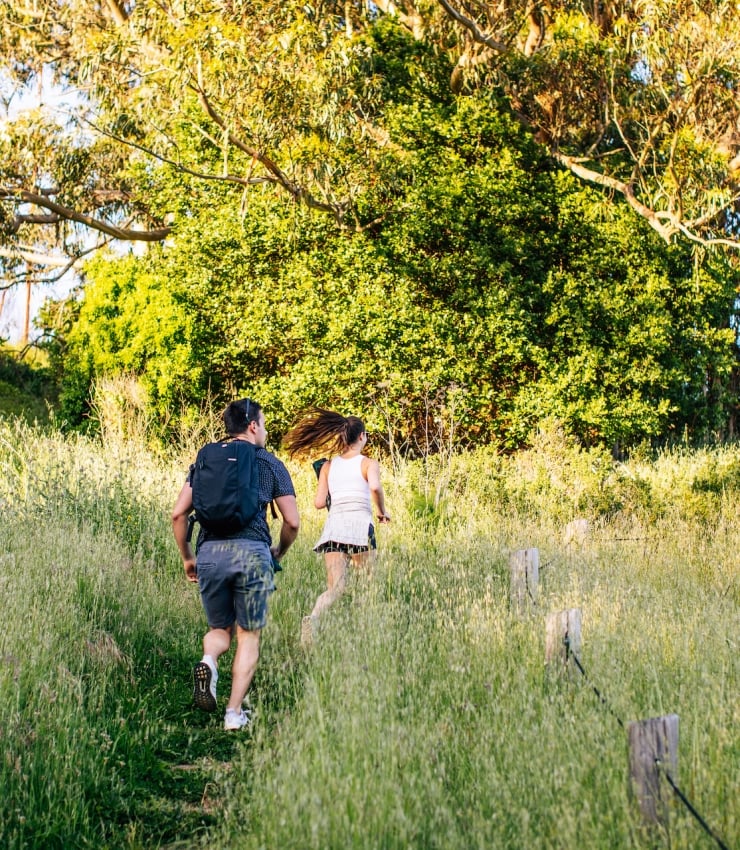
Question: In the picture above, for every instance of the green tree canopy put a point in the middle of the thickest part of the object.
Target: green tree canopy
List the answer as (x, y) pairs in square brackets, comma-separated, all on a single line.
[(494, 291), (637, 98)]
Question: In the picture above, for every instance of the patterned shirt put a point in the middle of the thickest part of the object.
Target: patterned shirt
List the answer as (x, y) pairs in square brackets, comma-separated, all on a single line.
[(275, 481)]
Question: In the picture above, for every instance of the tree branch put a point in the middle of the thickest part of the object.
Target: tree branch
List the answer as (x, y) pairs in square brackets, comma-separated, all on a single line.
[(28, 255), (299, 193), (471, 26), (664, 223), (117, 12), (125, 233), (226, 178)]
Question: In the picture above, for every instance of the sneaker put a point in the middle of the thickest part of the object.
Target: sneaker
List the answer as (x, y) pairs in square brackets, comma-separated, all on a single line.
[(204, 690), (235, 719)]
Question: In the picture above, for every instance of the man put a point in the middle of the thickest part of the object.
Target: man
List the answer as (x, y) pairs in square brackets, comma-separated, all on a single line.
[(235, 572)]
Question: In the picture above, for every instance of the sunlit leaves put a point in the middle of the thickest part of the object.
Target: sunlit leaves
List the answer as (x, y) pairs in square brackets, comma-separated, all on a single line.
[(496, 279), (615, 90)]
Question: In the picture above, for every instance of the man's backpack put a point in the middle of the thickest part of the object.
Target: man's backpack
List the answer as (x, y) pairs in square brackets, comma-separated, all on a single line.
[(225, 482)]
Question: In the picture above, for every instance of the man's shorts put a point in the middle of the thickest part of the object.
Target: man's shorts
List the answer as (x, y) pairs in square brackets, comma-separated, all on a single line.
[(235, 579)]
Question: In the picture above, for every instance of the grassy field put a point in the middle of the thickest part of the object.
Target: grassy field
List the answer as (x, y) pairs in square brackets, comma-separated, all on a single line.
[(422, 717)]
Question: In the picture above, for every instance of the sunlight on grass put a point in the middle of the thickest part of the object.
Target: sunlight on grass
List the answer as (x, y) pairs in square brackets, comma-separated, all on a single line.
[(422, 717)]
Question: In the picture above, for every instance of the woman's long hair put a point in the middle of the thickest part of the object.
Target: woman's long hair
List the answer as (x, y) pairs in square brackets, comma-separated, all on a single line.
[(323, 429)]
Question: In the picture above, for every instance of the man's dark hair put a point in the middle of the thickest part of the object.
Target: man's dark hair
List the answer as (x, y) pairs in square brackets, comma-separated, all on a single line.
[(239, 414)]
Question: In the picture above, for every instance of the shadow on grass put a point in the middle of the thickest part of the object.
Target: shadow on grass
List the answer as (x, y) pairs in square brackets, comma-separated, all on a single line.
[(178, 758)]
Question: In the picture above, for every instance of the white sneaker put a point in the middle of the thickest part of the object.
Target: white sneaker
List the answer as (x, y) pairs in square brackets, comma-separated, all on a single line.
[(235, 719), (204, 686)]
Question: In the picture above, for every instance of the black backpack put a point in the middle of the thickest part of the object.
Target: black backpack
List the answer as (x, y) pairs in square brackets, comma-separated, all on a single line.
[(225, 482)]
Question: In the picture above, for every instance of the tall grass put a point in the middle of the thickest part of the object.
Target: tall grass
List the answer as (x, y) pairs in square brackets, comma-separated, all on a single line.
[(422, 716), (96, 626)]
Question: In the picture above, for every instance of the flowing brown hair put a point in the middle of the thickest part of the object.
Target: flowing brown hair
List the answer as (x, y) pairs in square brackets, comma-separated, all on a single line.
[(323, 429)]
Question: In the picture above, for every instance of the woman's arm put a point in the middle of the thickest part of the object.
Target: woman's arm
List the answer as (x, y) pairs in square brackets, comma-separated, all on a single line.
[(371, 472)]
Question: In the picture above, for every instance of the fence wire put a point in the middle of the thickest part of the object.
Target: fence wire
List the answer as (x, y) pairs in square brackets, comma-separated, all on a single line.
[(676, 790), (682, 797), (602, 699)]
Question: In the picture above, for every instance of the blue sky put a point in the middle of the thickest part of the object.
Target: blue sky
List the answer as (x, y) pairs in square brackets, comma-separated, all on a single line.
[(55, 102)]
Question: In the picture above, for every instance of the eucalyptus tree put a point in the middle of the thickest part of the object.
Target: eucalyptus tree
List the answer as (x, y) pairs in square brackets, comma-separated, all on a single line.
[(638, 97), (237, 94), (187, 114)]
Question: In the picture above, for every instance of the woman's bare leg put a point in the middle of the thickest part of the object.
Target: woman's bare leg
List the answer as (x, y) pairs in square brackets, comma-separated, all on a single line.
[(363, 562), (336, 577)]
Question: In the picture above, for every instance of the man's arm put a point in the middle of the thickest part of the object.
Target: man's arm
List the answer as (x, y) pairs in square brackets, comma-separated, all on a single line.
[(180, 513), (288, 508)]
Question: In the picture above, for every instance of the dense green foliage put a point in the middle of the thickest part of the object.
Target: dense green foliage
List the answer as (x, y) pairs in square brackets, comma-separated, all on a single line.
[(422, 717), (27, 389), (637, 99), (502, 293)]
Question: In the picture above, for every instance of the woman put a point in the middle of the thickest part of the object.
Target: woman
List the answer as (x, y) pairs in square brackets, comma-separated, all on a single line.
[(348, 484)]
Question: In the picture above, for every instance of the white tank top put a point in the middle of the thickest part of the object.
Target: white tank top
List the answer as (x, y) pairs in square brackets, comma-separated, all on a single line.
[(350, 515), (348, 489)]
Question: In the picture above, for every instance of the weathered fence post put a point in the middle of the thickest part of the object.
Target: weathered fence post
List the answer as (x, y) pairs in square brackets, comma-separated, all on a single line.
[(525, 576), (653, 746), (576, 532), (562, 637)]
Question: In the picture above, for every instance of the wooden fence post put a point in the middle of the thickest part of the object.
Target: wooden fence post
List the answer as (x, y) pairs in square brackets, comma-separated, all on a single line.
[(576, 532), (653, 746), (562, 637), (525, 576)]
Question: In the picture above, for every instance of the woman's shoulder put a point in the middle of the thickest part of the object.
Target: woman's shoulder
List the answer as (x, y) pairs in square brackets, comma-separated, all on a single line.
[(367, 463)]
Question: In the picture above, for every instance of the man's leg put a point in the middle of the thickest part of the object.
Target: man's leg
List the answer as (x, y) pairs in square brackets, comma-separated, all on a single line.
[(245, 663), (251, 595), (214, 565), (216, 642), (205, 672)]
